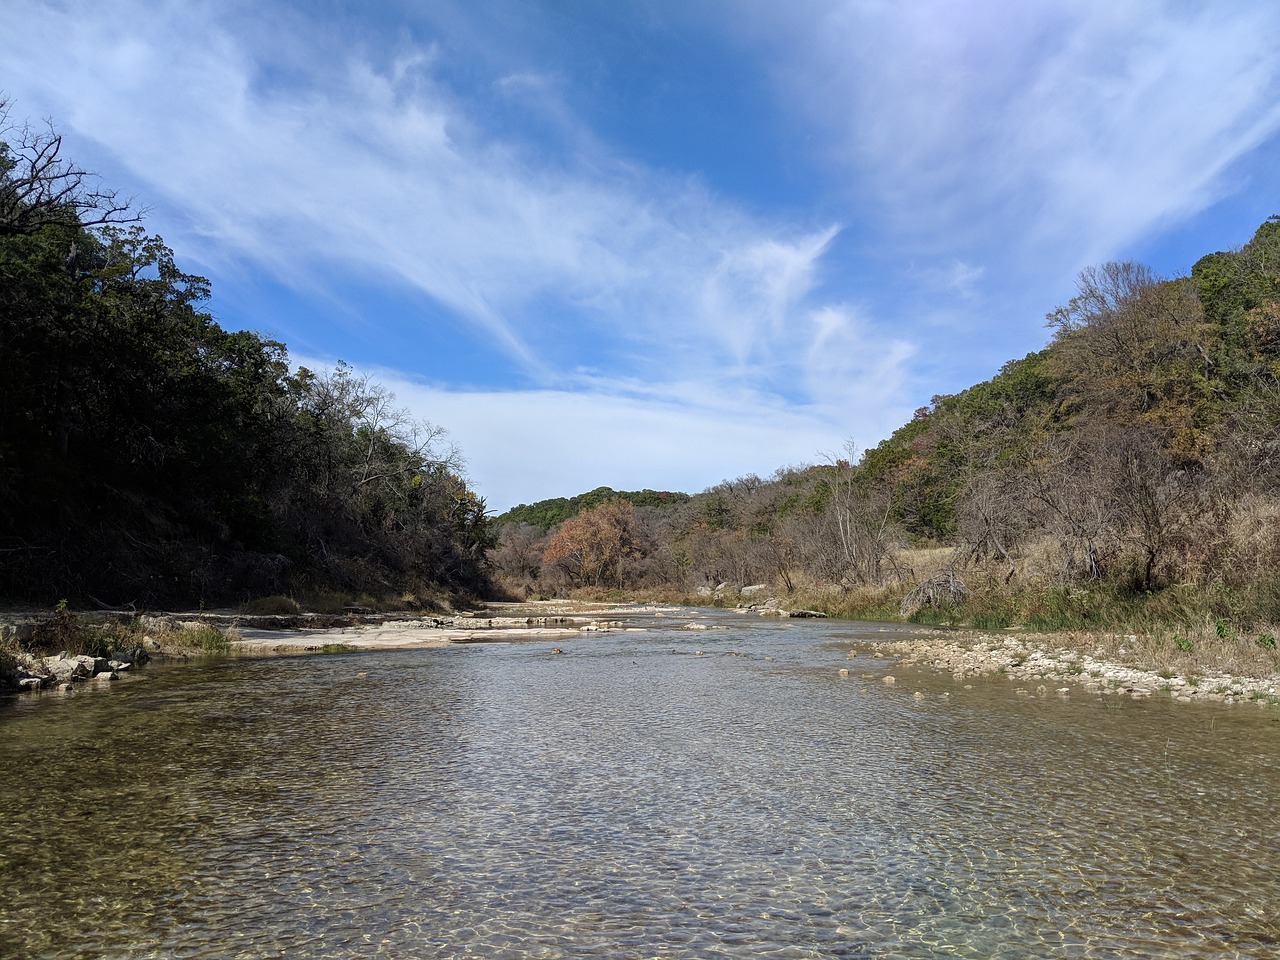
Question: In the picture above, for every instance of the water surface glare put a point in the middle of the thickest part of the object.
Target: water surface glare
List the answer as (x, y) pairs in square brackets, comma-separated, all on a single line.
[(630, 798)]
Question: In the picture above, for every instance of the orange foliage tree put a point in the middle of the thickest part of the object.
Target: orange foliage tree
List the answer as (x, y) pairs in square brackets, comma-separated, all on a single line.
[(593, 547)]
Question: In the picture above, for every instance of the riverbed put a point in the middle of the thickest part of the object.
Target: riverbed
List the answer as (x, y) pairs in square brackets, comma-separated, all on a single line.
[(653, 790)]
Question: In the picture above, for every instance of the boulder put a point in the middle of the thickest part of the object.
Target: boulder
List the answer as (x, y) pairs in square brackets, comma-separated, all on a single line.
[(753, 590), (65, 669), (94, 665)]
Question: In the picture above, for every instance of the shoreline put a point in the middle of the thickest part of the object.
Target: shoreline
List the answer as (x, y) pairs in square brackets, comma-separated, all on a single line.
[(167, 637), (1036, 663), (1043, 664)]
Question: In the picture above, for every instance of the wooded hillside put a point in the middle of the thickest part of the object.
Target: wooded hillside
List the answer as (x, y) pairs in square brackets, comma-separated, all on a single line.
[(148, 456), (1135, 459)]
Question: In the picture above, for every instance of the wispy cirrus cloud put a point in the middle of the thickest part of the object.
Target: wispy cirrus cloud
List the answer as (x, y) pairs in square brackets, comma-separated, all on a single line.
[(379, 166), (1087, 124), (458, 197)]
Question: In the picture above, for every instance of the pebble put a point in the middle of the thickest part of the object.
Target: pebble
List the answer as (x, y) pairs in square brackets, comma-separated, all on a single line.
[(1043, 670)]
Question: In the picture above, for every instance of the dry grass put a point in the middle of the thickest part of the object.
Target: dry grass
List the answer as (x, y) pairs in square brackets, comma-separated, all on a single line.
[(78, 633)]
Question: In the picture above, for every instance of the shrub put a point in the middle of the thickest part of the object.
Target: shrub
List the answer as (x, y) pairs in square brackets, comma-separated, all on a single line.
[(992, 619), (324, 601), (277, 605)]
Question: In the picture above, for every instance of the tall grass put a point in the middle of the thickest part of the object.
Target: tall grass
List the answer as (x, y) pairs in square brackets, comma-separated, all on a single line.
[(77, 634)]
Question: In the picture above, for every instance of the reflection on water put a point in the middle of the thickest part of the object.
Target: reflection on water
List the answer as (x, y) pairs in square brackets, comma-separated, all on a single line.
[(630, 799)]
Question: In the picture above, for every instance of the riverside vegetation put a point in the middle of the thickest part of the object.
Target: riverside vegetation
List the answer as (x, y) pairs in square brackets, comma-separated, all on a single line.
[(1122, 486), (1123, 482), (149, 457)]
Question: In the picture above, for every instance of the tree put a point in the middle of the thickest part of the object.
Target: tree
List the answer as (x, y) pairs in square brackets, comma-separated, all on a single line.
[(39, 188), (1137, 349), (853, 529), (594, 546), (148, 455)]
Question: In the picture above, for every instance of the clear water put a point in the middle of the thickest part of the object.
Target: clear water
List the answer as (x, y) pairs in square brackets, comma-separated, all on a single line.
[(630, 799)]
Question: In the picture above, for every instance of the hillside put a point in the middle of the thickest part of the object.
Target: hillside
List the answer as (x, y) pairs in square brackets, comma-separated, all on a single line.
[(1129, 469), (149, 457), (546, 514)]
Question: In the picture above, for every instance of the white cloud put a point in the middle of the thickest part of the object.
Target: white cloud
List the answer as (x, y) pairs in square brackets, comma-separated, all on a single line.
[(381, 169), (529, 445), (713, 348), (989, 146), (1066, 129)]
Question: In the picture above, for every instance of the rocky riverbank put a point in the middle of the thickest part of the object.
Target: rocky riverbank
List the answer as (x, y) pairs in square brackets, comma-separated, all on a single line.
[(62, 671), (116, 643), (95, 647), (1034, 664), (1040, 664)]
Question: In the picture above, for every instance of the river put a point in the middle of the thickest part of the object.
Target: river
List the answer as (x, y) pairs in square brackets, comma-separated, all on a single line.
[(666, 793)]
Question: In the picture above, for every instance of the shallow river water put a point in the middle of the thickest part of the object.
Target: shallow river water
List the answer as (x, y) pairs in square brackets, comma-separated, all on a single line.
[(647, 794)]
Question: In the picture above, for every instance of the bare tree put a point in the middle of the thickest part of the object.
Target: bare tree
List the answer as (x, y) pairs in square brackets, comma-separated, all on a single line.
[(1071, 506), (992, 519), (1140, 342), (862, 515), (518, 555), (1151, 497), (40, 188)]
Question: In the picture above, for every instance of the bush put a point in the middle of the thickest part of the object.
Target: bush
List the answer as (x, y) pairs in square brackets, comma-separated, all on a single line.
[(277, 605), (324, 601)]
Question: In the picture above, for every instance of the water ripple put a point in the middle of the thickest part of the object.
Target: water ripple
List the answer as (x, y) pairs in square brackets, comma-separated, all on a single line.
[(630, 799)]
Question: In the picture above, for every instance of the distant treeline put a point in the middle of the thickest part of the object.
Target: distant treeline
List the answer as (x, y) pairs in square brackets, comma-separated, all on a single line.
[(1136, 457), (546, 514), (149, 457)]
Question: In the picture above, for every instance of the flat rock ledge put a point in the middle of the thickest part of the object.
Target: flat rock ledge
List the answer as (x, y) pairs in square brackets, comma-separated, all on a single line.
[(1045, 671), (416, 632)]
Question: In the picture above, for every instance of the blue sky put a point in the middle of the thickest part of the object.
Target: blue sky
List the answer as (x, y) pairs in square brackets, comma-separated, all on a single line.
[(662, 244)]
